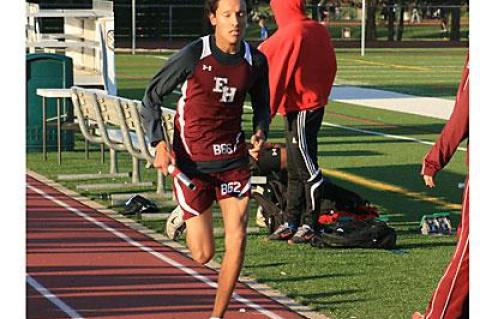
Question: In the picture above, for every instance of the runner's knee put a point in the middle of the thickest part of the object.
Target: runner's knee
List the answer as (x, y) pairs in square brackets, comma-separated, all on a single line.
[(203, 256)]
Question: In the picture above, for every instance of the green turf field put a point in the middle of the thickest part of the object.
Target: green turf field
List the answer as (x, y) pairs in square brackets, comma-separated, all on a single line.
[(347, 283), (423, 72)]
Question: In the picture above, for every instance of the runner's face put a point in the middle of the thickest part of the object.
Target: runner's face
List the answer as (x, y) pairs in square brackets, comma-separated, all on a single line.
[(230, 21)]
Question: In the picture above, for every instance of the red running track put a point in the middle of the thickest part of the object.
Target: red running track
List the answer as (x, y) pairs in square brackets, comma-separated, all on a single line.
[(84, 264)]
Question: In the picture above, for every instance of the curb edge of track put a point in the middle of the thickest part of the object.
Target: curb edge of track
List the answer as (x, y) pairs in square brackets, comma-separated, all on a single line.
[(250, 282)]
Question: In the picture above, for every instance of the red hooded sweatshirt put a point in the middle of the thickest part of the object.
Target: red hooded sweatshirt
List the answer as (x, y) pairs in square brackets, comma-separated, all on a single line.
[(301, 60)]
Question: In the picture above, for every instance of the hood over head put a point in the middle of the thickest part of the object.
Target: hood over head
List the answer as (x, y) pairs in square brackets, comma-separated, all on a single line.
[(288, 11)]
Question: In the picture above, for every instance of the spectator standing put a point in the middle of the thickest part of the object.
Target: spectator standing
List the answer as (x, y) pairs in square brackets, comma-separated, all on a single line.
[(299, 90), (415, 18), (263, 28)]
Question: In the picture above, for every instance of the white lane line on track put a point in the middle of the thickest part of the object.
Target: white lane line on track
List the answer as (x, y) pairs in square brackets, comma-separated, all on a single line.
[(151, 251), (53, 298)]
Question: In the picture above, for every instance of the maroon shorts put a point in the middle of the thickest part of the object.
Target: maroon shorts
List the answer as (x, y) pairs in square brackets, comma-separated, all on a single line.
[(211, 187)]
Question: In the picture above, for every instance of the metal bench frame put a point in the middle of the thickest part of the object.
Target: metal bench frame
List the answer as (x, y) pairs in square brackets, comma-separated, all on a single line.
[(96, 114), (105, 115)]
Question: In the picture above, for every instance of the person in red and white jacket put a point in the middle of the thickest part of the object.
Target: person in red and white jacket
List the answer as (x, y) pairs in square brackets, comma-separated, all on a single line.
[(302, 68), (450, 298)]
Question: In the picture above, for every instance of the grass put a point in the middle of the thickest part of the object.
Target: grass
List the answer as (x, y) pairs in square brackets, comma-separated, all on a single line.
[(422, 72), (345, 283)]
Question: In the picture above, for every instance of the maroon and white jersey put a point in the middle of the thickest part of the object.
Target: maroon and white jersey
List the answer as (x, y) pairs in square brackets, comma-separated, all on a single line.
[(208, 134)]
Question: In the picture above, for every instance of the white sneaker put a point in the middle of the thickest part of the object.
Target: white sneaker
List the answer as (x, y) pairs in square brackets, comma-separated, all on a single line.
[(175, 225), (260, 220)]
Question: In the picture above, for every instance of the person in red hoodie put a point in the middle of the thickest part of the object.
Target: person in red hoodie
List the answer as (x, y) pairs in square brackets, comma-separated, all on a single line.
[(302, 68), (450, 298)]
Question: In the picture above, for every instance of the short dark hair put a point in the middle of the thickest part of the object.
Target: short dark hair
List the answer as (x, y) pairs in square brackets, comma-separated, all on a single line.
[(211, 6)]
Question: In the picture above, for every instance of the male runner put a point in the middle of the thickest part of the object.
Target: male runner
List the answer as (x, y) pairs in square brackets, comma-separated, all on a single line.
[(216, 73)]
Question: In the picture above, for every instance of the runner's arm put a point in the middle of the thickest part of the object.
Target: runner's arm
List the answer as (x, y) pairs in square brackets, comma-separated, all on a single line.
[(176, 70), (260, 94), (455, 131)]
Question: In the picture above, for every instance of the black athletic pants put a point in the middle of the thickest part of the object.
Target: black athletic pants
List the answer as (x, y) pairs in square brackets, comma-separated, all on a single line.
[(304, 175)]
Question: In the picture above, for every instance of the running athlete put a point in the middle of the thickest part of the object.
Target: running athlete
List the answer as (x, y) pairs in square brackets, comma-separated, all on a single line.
[(215, 72), (302, 67), (450, 298)]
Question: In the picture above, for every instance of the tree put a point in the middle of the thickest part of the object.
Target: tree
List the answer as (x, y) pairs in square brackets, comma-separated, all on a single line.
[(455, 21), (391, 20), (315, 4), (400, 11), (371, 26)]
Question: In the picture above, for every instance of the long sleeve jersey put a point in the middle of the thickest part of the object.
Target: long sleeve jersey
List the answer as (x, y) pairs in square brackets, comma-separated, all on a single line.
[(208, 135), (454, 132)]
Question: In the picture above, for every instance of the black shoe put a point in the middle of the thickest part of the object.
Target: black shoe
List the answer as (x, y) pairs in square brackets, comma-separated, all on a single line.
[(283, 232), (303, 235), (137, 204)]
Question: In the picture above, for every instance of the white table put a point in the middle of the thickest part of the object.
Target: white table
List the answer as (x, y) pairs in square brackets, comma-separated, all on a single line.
[(59, 94)]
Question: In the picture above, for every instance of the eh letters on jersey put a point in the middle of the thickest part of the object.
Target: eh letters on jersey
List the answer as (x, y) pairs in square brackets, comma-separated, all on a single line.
[(228, 93)]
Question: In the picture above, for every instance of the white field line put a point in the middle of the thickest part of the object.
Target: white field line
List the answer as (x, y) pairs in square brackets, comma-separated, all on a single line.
[(53, 298), (396, 71), (381, 66), (151, 251), (160, 57), (391, 76), (397, 137)]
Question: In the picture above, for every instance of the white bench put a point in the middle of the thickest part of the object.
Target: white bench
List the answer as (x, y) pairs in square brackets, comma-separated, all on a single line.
[(96, 115), (116, 122)]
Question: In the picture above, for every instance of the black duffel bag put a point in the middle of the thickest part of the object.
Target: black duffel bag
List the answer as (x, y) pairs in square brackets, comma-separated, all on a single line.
[(369, 233)]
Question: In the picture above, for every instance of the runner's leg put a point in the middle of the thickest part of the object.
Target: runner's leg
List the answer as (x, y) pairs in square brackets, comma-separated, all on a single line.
[(200, 237), (197, 209), (235, 215)]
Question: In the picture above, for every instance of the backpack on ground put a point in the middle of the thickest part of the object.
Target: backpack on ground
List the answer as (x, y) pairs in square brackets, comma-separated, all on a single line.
[(351, 233), (336, 202), (340, 199), (137, 204), (273, 201), (359, 213)]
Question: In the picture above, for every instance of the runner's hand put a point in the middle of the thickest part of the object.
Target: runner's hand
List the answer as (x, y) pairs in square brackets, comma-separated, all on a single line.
[(429, 181), (162, 158), (257, 141)]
